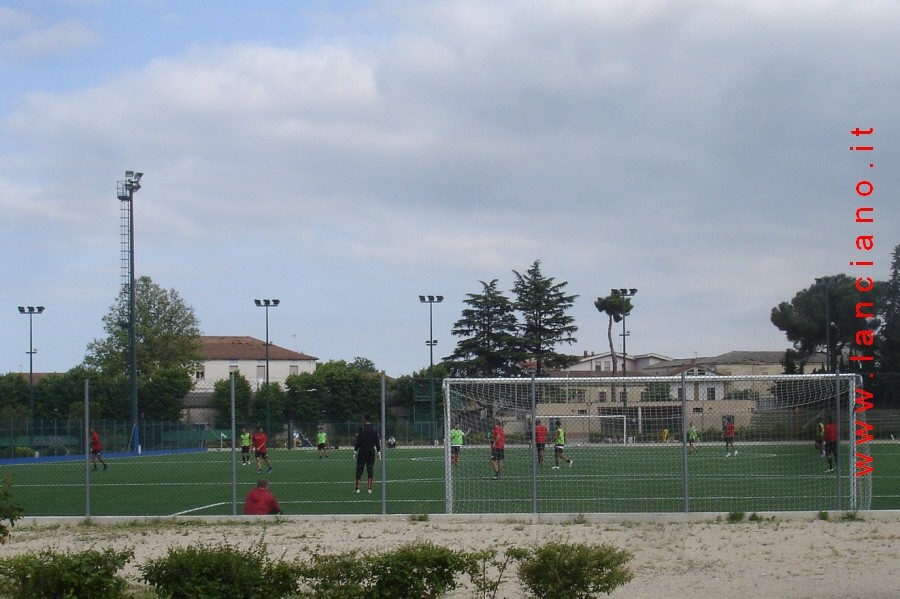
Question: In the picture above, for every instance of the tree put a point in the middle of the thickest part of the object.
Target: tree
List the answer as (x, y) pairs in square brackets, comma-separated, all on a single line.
[(167, 330), (616, 307), (221, 398), (889, 311), (544, 323), (336, 391), (489, 347), (13, 396), (803, 320)]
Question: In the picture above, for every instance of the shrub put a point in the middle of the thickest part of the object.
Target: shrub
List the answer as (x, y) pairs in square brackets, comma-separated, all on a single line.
[(23, 452), (48, 573), (9, 511), (575, 571), (342, 576), (735, 517), (416, 571), (210, 572)]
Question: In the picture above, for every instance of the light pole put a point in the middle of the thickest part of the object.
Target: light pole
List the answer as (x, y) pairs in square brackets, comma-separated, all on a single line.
[(825, 281), (267, 303), (31, 311), (125, 192), (626, 295), (431, 300)]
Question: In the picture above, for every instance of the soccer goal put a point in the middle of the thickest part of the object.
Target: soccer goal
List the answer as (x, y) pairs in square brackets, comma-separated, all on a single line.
[(695, 442)]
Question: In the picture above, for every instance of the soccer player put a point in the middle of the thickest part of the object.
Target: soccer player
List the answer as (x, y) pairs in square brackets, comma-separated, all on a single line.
[(322, 442), (729, 438), (245, 447), (457, 437), (97, 450), (366, 449), (665, 435), (559, 447), (831, 438), (260, 501), (693, 437), (259, 441), (540, 440), (820, 438), (498, 446)]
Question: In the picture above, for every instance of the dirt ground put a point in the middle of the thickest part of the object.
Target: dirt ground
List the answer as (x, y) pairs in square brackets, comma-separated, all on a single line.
[(795, 555)]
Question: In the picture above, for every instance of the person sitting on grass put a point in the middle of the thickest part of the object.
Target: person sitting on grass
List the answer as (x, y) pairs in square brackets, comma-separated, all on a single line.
[(260, 501)]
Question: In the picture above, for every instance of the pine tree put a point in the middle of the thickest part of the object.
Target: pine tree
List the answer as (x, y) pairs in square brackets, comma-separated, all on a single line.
[(889, 308), (489, 346), (544, 323)]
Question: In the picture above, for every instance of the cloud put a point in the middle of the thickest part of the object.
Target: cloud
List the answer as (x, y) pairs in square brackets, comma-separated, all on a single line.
[(29, 40)]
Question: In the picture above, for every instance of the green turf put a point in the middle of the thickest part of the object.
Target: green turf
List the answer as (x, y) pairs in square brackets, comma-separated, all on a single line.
[(763, 477)]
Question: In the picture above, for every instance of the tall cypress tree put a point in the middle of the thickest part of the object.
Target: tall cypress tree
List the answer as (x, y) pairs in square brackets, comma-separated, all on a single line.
[(489, 346), (544, 323)]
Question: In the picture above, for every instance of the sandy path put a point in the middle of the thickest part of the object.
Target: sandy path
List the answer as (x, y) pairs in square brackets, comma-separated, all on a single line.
[(794, 556)]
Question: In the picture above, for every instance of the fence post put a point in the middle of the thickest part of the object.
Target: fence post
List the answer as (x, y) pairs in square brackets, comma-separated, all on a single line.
[(233, 455), (685, 472), (84, 446)]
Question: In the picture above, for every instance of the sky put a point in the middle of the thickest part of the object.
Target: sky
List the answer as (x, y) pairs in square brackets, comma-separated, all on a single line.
[(346, 157)]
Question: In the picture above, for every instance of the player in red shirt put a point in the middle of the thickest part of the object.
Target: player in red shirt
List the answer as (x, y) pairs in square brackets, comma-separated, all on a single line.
[(540, 440), (831, 439), (97, 450), (498, 443), (729, 438), (260, 501), (258, 440)]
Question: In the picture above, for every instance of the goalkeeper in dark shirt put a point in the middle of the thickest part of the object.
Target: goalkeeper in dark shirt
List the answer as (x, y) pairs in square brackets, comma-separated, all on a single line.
[(366, 449)]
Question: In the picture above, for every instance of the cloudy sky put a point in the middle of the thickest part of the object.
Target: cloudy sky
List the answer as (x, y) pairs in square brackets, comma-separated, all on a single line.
[(348, 156)]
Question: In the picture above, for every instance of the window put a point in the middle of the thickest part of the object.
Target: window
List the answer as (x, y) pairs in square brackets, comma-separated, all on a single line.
[(607, 365), (261, 372), (710, 394), (200, 374), (601, 396), (680, 393), (582, 412), (294, 369), (233, 368), (622, 396)]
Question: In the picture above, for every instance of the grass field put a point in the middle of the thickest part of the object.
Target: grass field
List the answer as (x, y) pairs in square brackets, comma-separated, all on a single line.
[(763, 477)]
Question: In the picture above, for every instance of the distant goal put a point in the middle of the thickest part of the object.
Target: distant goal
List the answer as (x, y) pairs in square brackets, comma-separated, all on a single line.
[(632, 448)]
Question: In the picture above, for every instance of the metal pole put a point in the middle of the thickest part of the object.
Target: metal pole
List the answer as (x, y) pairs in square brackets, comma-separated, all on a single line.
[(431, 364), (87, 458), (384, 452), (268, 391), (534, 489), (132, 322), (685, 472), (233, 451)]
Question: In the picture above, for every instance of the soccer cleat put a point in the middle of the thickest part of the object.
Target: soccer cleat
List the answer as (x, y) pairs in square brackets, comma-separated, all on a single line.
[(259, 471), (356, 491), (571, 462), (555, 468), (369, 491), (735, 452), (270, 471)]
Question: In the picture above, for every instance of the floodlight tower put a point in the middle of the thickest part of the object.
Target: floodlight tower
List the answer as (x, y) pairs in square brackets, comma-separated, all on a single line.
[(431, 300), (268, 303), (125, 191), (625, 294), (31, 311)]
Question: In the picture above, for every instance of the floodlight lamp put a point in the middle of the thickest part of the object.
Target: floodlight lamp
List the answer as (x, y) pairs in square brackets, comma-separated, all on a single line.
[(21, 309), (421, 299), (129, 174), (275, 302), (137, 177), (257, 302), (632, 291), (40, 309), (440, 298)]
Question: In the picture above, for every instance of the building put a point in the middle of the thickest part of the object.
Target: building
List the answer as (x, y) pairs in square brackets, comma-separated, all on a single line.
[(247, 355)]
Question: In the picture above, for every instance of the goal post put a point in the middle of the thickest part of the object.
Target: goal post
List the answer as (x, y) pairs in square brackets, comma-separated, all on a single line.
[(695, 442)]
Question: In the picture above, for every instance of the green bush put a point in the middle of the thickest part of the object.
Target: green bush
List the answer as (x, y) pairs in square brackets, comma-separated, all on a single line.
[(574, 571), (9, 511), (416, 571), (211, 572), (342, 576), (48, 573), (23, 452)]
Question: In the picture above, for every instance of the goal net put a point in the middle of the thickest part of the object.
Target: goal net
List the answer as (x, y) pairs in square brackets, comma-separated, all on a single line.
[(693, 442)]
